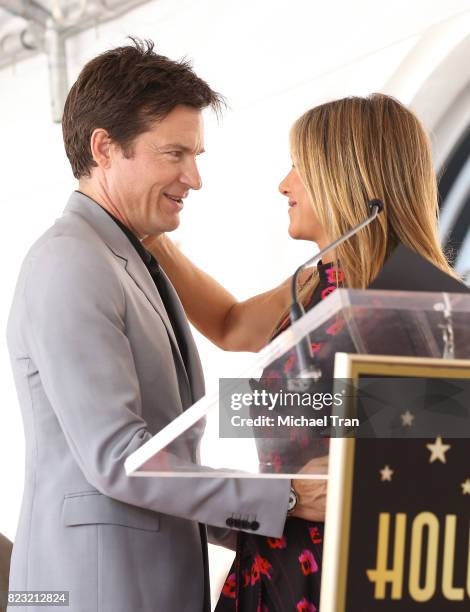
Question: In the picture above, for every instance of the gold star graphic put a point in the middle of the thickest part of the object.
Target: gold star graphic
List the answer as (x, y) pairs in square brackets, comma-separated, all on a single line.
[(466, 487), (438, 450), (407, 419), (386, 474)]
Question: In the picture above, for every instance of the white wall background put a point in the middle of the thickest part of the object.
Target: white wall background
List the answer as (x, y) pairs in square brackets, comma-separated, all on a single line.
[(272, 59)]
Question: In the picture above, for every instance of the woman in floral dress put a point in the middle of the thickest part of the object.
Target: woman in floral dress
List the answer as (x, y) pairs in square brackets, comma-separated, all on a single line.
[(344, 153), (274, 574)]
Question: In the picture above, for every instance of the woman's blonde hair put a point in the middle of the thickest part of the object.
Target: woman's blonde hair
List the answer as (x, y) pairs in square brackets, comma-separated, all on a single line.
[(350, 151)]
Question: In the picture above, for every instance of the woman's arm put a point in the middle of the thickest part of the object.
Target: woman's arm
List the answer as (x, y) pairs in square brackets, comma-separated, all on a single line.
[(214, 311)]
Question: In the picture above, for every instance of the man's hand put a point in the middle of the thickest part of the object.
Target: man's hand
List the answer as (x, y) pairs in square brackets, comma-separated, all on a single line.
[(311, 494)]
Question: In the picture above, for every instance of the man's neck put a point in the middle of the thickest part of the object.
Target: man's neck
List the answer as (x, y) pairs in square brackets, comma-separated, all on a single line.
[(101, 197)]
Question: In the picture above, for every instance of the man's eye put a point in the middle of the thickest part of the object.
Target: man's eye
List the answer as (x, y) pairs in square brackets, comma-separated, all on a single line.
[(175, 154)]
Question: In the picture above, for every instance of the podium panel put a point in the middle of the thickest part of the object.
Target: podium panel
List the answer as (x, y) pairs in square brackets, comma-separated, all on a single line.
[(199, 444), (398, 510)]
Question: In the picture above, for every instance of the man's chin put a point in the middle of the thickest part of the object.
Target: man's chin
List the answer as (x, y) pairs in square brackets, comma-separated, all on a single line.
[(163, 228), (171, 226)]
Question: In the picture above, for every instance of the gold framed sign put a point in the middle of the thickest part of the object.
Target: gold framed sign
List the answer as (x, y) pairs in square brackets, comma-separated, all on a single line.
[(397, 529)]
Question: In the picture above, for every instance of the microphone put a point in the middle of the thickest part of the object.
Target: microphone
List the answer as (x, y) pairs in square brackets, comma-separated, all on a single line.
[(304, 349)]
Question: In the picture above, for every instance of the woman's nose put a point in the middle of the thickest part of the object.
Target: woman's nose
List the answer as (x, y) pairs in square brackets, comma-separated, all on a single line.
[(283, 186)]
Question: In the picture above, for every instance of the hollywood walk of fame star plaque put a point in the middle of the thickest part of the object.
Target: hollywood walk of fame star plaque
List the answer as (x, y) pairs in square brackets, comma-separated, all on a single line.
[(398, 515)]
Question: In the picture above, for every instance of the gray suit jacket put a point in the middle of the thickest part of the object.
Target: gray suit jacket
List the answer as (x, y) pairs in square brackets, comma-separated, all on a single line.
[(98, 372)]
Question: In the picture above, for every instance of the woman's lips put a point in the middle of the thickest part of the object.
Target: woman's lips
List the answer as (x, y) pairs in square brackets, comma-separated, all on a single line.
[(292, 203)]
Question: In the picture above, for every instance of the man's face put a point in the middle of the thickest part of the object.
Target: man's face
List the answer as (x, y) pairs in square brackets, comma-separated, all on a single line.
[(148, 189)]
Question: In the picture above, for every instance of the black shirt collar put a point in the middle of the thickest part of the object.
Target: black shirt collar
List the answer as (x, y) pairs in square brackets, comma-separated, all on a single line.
[(141, 250)]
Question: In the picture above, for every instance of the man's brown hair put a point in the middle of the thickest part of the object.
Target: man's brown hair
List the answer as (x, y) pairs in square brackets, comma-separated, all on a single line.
[(124, 91)]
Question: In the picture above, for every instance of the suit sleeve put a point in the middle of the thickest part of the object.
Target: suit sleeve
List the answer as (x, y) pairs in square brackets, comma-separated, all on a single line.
[(75, 306)]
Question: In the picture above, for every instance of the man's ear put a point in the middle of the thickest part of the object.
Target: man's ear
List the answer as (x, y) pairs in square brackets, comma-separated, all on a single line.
[(100, 144)]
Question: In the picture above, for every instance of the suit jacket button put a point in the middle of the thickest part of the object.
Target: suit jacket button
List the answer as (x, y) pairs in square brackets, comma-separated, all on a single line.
[(254, 525)]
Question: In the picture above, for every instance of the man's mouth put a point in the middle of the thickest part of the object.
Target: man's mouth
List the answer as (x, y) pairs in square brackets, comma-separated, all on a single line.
[(178, 200)]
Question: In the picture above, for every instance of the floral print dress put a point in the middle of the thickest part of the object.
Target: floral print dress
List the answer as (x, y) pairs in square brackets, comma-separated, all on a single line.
[(282, 574)]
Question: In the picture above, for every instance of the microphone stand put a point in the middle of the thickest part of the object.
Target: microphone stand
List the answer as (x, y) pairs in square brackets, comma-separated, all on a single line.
[(307, 369)]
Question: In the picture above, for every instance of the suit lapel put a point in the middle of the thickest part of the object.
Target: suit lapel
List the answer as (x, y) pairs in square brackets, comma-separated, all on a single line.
[(137, 270), (194, 366), (122, 248)]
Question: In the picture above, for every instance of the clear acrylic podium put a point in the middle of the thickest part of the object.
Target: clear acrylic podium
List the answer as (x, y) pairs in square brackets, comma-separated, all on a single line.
[(367, 322)]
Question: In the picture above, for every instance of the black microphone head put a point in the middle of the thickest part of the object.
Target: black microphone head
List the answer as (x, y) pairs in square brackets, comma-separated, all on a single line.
[(376, 203)]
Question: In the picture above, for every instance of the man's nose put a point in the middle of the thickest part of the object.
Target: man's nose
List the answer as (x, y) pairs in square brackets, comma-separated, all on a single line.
[(191, 176)]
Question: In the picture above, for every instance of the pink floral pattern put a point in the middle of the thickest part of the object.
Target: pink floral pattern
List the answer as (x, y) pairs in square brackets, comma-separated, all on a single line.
[(229, 588), (307, 561), (260, 566), (306, 606), (315, 535), (277, 542), (335, 327), (334, 276)]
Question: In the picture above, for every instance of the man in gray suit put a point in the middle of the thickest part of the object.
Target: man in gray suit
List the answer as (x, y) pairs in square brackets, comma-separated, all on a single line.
[(103, 358)]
